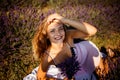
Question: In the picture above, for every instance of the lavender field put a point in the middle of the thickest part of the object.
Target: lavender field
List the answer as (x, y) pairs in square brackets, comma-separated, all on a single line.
[(19, 20)]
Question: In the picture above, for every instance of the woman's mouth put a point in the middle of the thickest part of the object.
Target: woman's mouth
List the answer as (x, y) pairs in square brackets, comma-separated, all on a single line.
[(58, 38)]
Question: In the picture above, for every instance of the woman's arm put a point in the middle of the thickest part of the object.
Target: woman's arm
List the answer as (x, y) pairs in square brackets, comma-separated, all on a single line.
[(43, 67), (81, 26), (83, 29), (41, 75)]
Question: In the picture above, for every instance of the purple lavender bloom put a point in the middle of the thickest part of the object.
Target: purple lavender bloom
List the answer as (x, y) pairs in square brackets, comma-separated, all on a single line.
[(70, 66)]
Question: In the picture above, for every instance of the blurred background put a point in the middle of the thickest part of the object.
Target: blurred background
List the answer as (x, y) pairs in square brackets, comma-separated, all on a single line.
[(19, 20)]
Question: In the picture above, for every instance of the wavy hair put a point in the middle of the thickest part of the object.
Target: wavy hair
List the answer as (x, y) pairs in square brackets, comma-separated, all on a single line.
[(40, 42)]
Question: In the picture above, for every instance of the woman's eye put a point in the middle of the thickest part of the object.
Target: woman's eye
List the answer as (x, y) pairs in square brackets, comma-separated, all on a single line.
[(61, 28), (52, 31)]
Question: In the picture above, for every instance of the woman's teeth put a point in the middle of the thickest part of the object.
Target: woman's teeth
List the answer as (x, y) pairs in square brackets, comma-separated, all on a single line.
[(58, 38)]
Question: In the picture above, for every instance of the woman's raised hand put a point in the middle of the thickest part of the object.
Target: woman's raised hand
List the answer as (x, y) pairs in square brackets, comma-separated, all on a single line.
[(53, 17)]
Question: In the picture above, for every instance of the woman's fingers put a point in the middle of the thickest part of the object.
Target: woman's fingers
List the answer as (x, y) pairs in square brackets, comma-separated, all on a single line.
[(49, 21), (53, 17)]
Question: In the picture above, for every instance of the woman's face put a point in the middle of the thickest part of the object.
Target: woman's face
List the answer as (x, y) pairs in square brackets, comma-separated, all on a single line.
[(56, 32)]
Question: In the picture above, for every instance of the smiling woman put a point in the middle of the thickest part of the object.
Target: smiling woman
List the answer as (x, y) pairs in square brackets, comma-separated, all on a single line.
[(56, 32), (56, 48)]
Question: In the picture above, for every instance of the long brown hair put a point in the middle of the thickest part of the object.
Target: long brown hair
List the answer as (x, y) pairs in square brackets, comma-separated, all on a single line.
[(40, 42)]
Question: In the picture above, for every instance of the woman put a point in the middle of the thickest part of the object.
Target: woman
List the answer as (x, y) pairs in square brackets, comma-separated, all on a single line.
[(54, 45)]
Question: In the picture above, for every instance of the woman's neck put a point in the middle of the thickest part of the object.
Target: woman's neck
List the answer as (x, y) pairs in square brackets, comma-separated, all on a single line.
[(57, 46)]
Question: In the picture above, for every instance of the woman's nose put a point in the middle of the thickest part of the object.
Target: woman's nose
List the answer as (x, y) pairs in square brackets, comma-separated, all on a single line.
[(57, 33)]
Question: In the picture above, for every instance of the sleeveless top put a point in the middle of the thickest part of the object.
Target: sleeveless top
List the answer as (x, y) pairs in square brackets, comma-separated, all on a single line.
[(88, 56), (85, 58)]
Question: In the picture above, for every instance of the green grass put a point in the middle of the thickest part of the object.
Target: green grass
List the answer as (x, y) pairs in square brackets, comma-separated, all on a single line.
[(17, 27)]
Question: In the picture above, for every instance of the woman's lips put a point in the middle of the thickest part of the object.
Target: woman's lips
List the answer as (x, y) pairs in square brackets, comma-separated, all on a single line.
[(58, 38)]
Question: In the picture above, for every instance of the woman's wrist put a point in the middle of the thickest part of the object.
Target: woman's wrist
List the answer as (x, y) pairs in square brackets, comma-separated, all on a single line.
[(72, 23), (65, 21)]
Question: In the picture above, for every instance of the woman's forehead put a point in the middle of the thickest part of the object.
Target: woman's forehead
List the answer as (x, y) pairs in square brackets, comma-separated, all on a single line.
[(55, 25)]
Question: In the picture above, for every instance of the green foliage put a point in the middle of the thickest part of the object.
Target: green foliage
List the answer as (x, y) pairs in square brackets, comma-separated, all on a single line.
[(20, 18)]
